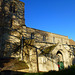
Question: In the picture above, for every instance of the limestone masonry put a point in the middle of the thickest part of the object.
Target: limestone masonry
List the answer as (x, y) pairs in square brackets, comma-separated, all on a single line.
[(41, 50)]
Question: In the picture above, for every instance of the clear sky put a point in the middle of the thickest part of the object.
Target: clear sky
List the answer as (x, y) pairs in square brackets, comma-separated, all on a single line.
[(56, 16)]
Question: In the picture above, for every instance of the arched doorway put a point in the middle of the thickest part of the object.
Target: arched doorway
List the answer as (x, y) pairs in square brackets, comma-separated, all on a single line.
[(60, 60)]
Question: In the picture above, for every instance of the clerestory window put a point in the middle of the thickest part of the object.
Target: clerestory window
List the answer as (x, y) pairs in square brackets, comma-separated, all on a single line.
[(32, 35), (53, 39), (44, 38)]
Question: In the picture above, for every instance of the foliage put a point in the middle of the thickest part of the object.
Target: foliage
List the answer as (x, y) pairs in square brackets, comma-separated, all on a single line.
[(29, 43)]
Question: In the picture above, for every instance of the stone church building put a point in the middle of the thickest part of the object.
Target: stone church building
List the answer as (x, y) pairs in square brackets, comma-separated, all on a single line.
[(41, 50)]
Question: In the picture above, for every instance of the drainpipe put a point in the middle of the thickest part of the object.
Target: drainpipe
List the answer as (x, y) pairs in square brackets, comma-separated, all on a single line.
[(22, 48), (51, 61), (37, 60)]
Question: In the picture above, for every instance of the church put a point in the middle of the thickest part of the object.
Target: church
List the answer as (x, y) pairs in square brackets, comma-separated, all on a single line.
[(41, 50)]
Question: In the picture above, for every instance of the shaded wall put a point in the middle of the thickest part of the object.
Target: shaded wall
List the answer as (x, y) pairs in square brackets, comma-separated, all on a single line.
[(12, 26)]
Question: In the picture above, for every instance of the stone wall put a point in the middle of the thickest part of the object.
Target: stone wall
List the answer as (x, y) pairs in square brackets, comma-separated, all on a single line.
[(38, 36), (12, 26), (12, 29), (39, 42), (58, 54)]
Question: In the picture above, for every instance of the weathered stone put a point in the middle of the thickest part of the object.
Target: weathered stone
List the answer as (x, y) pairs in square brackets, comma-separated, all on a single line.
[(14, 34), (11, 25)]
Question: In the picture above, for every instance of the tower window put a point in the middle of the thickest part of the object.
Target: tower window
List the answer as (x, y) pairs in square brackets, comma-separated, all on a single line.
[(12, 8), (44, 38), (32, 35)]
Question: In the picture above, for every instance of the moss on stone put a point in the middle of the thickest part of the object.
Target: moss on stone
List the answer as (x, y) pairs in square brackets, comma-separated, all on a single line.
[(48, 49)]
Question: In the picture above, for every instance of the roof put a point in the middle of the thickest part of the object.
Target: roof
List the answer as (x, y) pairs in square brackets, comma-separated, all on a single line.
[(72, 42), (12, 64), (45, 31), (48, 49)]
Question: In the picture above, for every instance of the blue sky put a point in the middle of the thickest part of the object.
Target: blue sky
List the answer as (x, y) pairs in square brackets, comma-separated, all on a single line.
[(56, 16)]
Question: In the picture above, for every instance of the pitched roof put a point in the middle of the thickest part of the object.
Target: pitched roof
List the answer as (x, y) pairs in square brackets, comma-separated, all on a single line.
[(48, 49), (71, 42), (12, 64)]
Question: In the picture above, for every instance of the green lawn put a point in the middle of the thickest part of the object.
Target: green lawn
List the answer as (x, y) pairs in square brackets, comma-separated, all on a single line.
[(70, 71)]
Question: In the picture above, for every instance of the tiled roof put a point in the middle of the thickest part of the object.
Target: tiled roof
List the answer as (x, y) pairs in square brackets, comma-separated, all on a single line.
[(71, 42)]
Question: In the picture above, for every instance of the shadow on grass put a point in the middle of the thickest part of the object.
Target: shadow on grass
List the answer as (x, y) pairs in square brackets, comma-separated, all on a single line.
[(9, 72), (70, 71)]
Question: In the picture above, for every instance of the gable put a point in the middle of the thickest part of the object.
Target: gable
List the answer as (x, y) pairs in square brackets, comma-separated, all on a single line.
[(71, 42), (47, 50), (60, 47)]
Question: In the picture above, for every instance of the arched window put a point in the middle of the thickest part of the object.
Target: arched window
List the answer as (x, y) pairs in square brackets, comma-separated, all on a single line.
[(44, 38), (53, 39), (32, 35), (12, 7)]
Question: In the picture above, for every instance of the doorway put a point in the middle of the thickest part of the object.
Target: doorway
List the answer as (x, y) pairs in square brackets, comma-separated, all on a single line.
[(60, 60)]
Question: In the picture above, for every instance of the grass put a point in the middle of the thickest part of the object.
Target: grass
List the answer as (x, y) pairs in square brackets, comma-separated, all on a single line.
[(70, 71)]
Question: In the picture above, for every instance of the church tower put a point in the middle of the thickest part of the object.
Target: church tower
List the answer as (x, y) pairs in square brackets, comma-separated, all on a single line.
[(12, 26)]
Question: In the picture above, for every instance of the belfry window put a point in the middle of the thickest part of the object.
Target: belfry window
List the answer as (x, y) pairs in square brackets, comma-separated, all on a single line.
[(12, 7)]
